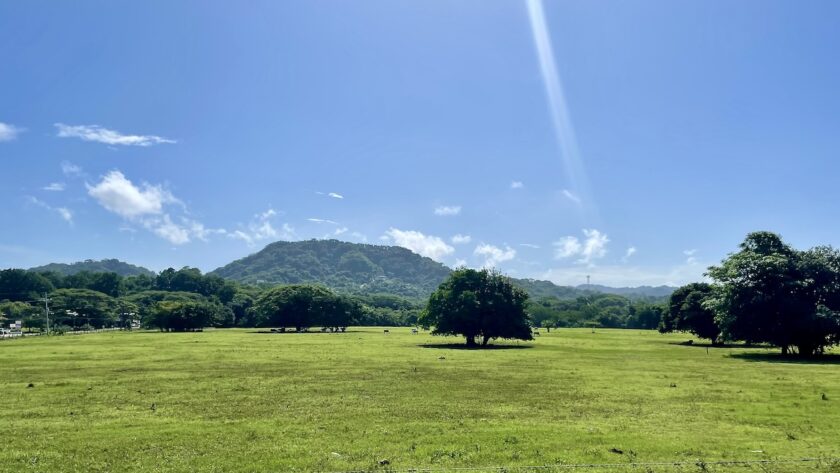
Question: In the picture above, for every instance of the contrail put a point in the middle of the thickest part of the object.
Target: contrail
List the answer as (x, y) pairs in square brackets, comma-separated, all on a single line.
[(563, 129)]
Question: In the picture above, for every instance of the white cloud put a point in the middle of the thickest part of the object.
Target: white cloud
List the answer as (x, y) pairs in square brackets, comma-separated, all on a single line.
[(566, 247), (593, 246), (9, 132), (65, 213), (99, 134), (447, 210), (691, 259), (359, 236), (169, 231), (54, 187), (146, 205), (494, 255), (71, 170), (529, 245), (571, 196), (460, 239), (516, 185), (631, 250), (460, 263), (425, 245), (121, 196), (261, 228), (335, 195), (322, 220)]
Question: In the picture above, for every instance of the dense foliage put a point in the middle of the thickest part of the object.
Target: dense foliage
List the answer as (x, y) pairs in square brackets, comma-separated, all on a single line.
[(595, 310), (769, 292), (689, 311), (478, 304)]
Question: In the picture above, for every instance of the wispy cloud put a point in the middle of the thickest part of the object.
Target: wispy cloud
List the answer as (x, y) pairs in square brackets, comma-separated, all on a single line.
[(460, 239), (426, 245), (592, 247), (571, 196), (631, 250), (99, 134), (517, 185), (322, 220), (448, 210), (261, 228), (529, 245), (54, 187), (9, 132), (691, 258), (63, 212), (493, 255), (71, 170), (335, 195)]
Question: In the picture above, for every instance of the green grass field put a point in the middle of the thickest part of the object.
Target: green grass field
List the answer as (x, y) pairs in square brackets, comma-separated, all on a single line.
[(239, 400)]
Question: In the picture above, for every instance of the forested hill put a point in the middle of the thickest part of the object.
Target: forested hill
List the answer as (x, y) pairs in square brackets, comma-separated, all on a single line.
[(91, 266), (343, 266), (371, 269)]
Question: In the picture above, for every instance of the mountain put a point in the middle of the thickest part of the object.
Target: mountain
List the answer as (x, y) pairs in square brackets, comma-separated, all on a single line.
[(343, 266), (103, 266), (641, 291), (369, 269)]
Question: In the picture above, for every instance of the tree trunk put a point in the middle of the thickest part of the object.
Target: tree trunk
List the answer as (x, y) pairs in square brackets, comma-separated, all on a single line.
[(784, 349), (485, 340), (470, 340)]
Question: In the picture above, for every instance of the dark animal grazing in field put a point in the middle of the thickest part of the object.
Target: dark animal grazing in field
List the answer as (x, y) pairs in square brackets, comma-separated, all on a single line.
[(414, 330), (536, 333), (386, 331)]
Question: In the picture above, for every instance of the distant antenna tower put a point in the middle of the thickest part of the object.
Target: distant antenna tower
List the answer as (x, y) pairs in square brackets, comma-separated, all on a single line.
[(587, 280)]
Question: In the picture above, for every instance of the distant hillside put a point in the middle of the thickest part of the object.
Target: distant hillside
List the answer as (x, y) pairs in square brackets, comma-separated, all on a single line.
[(344, 266), (641, 291), (103, 266), (369, 269)]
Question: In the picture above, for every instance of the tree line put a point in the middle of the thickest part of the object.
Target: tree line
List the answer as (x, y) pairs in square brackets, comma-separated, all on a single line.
[(186, 299)]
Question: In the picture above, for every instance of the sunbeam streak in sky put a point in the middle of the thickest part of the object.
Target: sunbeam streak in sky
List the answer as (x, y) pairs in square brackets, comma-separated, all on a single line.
[(564, 131)]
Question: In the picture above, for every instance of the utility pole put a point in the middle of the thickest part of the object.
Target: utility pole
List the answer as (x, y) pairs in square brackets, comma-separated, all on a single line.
[(47, 311), (587, 281)]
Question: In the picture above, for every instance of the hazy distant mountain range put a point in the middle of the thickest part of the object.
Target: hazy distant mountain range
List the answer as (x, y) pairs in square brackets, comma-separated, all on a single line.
[(353, 268)]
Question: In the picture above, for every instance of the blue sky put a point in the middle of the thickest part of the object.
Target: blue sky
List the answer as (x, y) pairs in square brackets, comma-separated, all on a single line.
[(635, 141)]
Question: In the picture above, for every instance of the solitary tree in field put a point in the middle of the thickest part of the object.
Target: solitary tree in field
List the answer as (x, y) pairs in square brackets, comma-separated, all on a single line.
[(480, 305), (688, 311)]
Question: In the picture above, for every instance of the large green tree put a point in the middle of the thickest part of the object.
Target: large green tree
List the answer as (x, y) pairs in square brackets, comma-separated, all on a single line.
[(78, 307), (689, 311), (301, 306), (21, 285), (769, 292), (478, 304)]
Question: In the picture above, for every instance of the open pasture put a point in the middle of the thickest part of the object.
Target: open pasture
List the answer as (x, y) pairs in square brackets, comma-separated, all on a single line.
[(240, 400)]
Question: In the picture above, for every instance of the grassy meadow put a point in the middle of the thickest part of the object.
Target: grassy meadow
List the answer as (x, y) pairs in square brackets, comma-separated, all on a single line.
[(241, 400)]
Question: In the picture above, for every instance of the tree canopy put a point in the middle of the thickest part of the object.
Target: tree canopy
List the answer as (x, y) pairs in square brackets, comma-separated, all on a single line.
[(769, 292), (478, 304), (689, 311)]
